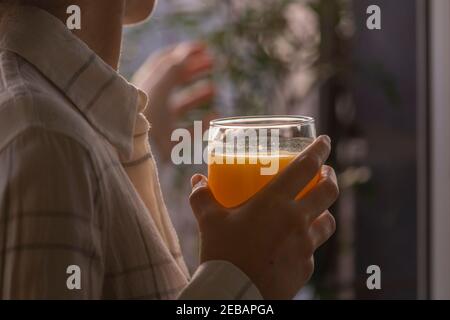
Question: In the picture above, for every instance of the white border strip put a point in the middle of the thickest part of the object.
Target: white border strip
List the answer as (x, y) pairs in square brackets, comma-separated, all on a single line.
[(440, 137)]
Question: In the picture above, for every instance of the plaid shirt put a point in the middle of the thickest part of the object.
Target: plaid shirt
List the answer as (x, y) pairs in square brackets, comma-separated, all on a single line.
[(78, 184)]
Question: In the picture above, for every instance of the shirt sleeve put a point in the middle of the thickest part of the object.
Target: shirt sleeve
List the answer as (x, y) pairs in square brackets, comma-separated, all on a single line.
[(220, 280), (50, 238)]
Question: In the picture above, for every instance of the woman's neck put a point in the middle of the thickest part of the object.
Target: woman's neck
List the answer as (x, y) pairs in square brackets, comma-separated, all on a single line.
[(101, 24)]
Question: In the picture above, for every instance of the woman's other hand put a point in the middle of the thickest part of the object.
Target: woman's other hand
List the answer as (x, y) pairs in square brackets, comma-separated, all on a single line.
[(161, 75)]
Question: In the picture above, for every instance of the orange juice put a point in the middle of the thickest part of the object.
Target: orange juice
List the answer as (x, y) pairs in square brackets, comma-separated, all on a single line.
[(233, 182)]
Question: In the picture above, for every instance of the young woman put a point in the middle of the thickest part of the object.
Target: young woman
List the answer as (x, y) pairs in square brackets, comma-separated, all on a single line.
[(81, 211)]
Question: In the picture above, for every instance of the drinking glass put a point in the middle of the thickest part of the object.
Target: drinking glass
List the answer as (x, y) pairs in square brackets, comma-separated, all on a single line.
[(245, 153)]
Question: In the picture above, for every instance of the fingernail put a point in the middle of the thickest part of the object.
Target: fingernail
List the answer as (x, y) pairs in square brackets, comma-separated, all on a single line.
[(195, 179), (326, 138), (199, 182)]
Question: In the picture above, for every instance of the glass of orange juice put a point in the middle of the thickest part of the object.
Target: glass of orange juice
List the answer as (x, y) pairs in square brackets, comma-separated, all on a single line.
[(245, 153)]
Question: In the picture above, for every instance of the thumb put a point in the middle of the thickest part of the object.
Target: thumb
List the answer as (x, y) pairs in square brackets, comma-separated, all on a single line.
[(201, 199)]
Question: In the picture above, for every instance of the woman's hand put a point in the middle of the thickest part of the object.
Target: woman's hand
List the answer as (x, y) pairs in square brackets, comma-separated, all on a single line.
[(160, 75), (272, 237)]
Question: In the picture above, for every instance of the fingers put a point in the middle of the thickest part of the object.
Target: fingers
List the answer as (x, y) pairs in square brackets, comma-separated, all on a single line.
[(321, 197), (196, 98), (322, 229), (189, 61), (301, 170), (196, 66), (186, 49), (174, 66), (202, 200)]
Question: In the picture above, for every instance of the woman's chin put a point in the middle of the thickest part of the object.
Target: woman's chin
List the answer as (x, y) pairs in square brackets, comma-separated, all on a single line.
[(138, 11)]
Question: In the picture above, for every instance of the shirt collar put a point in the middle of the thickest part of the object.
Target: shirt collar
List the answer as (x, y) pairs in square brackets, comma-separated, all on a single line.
[(107, 100)]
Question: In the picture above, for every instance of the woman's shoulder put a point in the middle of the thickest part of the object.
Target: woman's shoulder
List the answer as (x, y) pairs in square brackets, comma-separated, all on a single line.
[(29, 100)]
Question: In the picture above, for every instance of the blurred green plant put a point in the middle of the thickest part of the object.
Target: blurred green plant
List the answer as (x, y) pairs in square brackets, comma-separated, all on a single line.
[(261, 46), (257, 44)]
